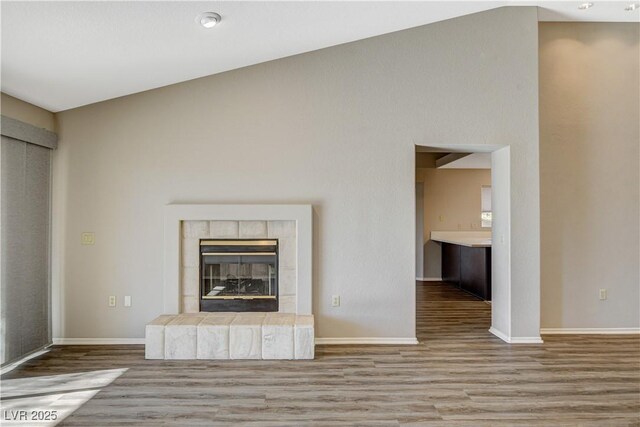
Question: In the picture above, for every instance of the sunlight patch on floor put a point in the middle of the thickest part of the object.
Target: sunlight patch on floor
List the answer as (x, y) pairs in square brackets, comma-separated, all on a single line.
[(46, 400)]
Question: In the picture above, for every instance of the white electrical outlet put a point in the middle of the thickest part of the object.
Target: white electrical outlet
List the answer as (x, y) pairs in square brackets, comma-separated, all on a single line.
[(335, 301), (127, 300), (603, 294), (112, 301)]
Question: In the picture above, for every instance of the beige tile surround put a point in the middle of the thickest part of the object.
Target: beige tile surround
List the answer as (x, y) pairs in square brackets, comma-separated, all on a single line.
[(193, 231)]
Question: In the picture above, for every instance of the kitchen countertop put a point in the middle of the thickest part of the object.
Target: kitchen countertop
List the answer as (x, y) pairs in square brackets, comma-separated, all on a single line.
[(471, 239)]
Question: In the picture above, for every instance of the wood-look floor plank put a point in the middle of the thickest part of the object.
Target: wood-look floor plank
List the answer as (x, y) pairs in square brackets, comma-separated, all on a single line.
[(459, 375)]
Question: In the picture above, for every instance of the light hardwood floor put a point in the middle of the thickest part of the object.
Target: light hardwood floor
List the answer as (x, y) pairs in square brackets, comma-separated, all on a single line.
[(459, 374)]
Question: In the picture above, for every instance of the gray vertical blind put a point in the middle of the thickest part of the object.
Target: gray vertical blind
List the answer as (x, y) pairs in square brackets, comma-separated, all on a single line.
[(25, 174)]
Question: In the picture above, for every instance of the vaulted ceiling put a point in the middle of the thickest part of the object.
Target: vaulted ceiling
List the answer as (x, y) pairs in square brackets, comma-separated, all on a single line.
[(61, 55)]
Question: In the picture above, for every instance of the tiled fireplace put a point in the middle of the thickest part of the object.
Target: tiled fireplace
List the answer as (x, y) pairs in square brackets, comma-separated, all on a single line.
[(186, 227), (235, 252)]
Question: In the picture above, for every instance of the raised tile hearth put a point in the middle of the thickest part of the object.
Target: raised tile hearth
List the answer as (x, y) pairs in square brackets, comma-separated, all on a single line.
[(266, 336)]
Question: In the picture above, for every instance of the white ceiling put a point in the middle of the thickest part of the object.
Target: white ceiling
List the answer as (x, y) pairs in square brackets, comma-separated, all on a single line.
[(472, 161), (61, 55)]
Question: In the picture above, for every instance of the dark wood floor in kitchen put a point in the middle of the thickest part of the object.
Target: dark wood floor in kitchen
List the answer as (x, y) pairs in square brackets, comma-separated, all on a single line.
[(459, 374)]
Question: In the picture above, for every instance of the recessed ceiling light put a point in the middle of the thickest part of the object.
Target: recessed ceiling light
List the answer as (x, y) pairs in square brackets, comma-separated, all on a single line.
[(585, 6), (632, 6), (208, 19)]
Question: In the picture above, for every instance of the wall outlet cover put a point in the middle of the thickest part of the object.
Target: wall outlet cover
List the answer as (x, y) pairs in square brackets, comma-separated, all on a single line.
[(603, 294), (335, 301)]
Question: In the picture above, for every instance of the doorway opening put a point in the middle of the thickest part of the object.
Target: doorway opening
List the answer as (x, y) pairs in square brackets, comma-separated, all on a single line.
[(462, 275)]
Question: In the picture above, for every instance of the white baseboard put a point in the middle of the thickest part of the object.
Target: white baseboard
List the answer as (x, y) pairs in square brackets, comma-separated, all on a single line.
[(499, 334), (325, 341), (97, 341), (515, 340), (365, 340), (12, 365), (589, 331), (429, 279), (526, 340)]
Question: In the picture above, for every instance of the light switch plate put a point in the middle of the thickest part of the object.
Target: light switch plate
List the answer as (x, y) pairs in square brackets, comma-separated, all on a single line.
[(88, 238), (127, 300)]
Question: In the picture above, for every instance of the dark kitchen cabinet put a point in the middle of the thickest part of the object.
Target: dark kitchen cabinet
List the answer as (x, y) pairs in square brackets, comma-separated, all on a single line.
[(469, 268), (451, 263)]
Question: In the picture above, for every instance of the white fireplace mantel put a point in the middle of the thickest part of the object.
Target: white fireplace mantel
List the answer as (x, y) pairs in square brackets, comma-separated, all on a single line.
[(174, 214)]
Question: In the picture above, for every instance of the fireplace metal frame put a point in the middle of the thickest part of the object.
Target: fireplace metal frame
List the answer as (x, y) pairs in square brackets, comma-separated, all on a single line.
[(239, 303)]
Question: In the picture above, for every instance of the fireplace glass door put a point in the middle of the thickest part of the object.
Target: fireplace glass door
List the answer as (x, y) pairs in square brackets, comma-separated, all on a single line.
[(238, 275)]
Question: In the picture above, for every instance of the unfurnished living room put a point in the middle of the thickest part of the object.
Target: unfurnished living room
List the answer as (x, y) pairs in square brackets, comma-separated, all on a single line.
[(291, 213)]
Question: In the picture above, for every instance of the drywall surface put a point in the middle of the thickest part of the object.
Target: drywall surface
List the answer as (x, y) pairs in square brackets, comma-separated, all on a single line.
[(27, 113), (335, 128), (589, 162), (501, 285), (451, 203), (420, 230)]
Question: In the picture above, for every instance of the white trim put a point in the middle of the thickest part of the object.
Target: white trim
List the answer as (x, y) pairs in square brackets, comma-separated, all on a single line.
[(526, 340), (515, 340), (504, 337), (366, 340), (11, 366), (589, 331), (175, 214), (97, 341), (429, 279)]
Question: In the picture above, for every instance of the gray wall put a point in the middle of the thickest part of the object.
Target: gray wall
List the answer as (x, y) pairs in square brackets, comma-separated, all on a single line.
[(589, 163), (335, 128)]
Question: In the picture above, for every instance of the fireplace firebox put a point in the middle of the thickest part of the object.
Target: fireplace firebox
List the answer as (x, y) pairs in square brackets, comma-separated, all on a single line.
[(239, 275)]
